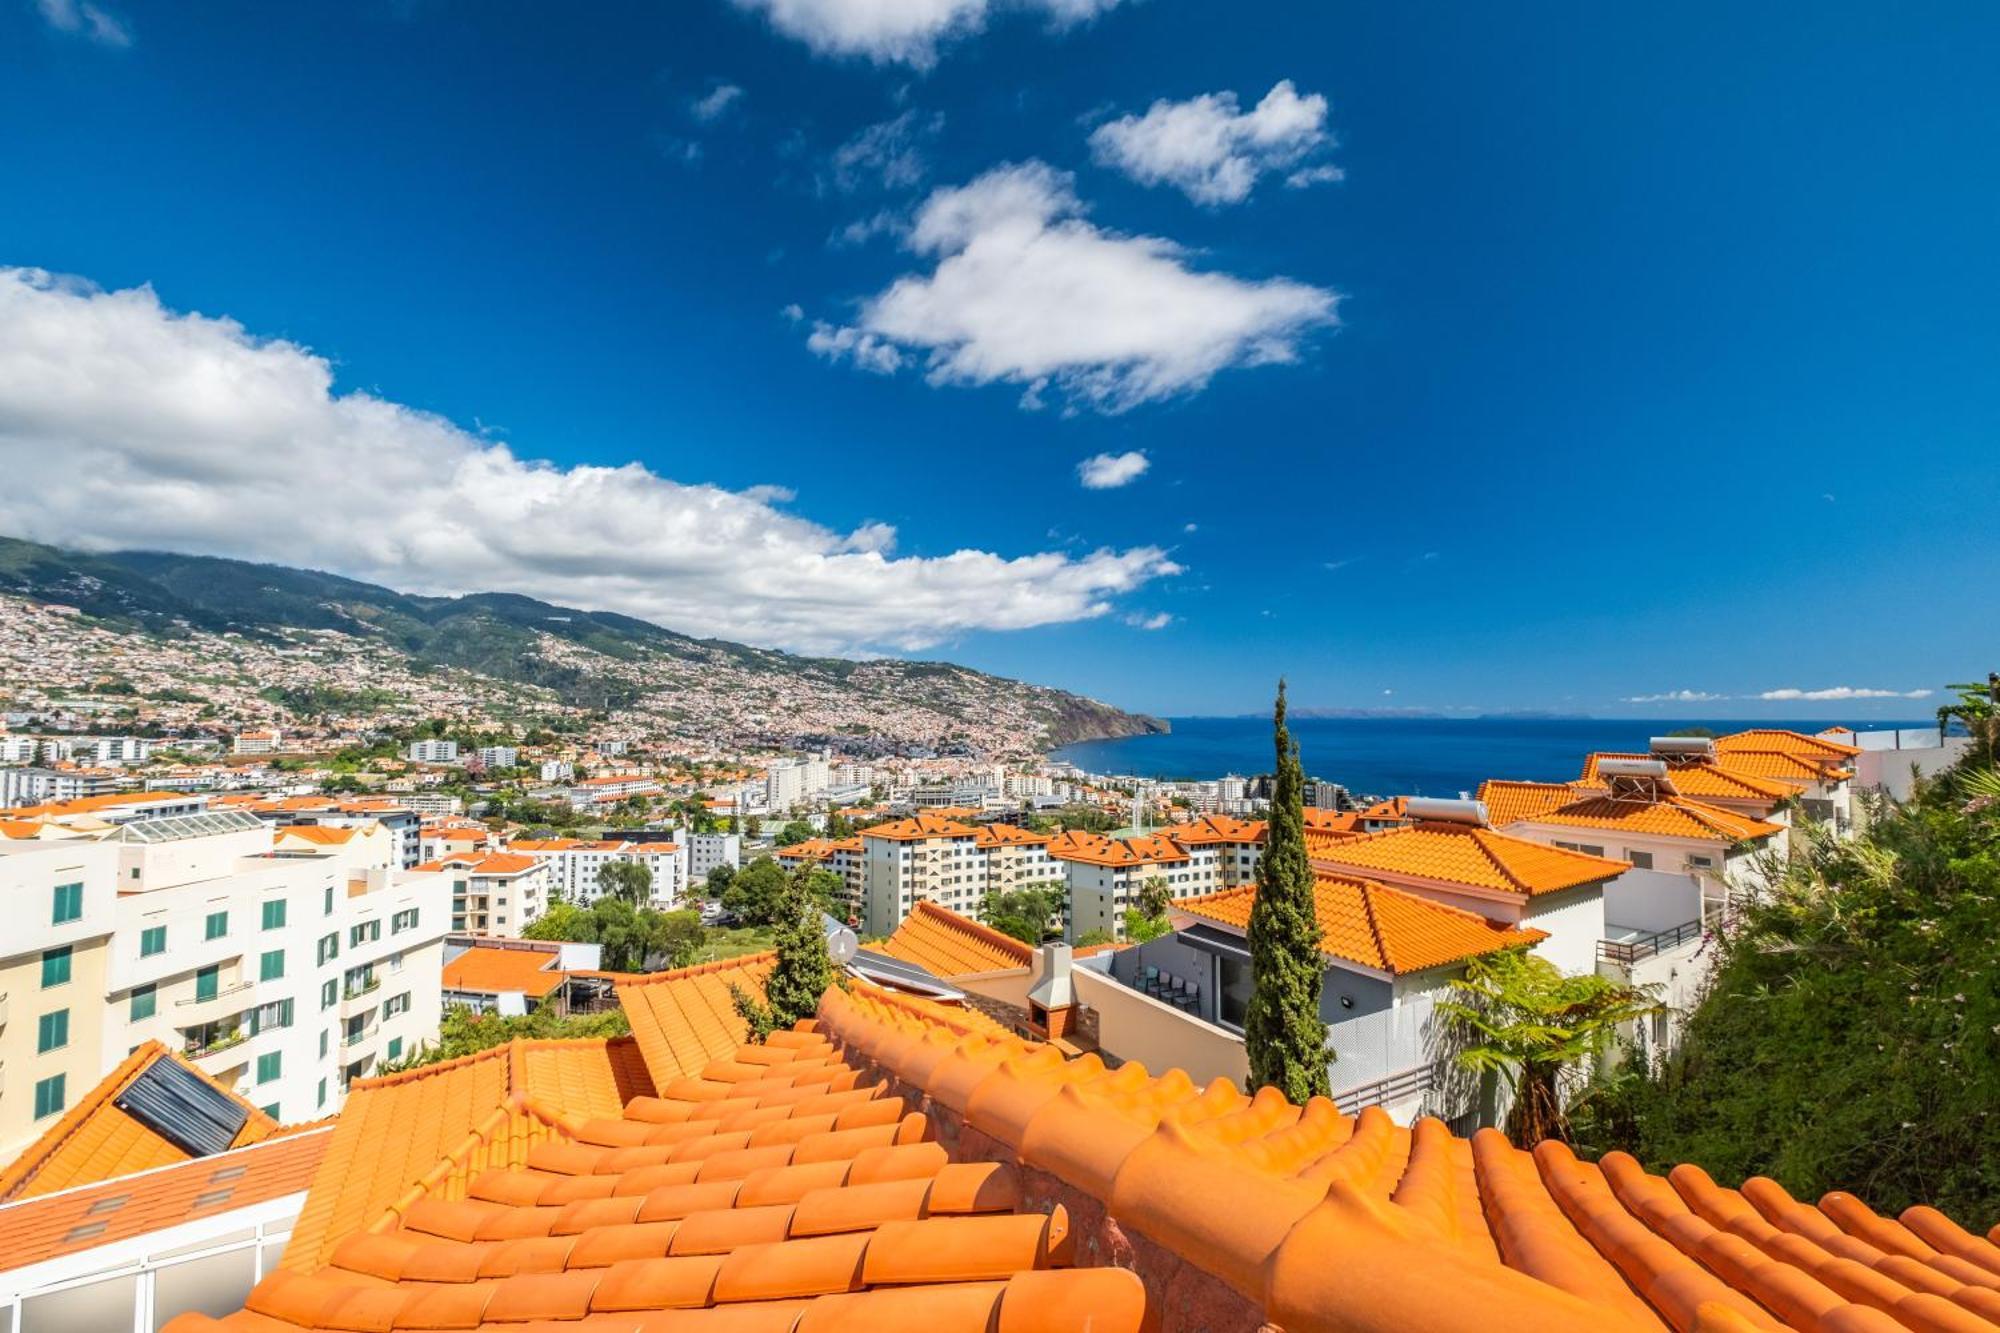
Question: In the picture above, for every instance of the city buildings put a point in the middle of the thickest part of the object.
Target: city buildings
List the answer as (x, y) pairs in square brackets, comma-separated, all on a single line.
[(282, 969), (492, 893), (574, 865), (433, 752)]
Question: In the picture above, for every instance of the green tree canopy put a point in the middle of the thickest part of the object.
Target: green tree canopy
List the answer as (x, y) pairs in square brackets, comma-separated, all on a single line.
[(629, 880), (1026, 914), (793, 833), (1520, 1017), (804, 968), (463, 1032), (1282, 1029), (756, 893)]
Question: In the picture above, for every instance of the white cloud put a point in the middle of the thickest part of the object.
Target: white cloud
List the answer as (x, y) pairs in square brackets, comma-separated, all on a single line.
[(893, 154), (716, 103), (125, 424), (86, 20), (1674, 697), (865, 350), (1025, 291), (1212, 152), (886, 222), (905, 32), (1158, 620), (1103, 472), (1838, 692)]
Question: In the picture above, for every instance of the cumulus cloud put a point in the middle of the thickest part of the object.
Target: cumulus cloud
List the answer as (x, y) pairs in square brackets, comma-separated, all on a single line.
[(865, 350), (1674, 697), (907, 32), (1158, 620), (85, 20), (1839, 692), (1024, 290), (716, 103), (1213, 152), (893, 154), (125, 424), (1103, 472)]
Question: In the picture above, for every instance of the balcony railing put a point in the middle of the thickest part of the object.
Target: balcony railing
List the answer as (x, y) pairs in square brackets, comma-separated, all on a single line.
[(1628, 952), (224, 993), (1391, 1088), (356, 1038), (354, 992), (199, 1045)]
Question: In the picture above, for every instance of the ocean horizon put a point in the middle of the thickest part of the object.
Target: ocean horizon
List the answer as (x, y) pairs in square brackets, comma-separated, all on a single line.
[(1403, 756)]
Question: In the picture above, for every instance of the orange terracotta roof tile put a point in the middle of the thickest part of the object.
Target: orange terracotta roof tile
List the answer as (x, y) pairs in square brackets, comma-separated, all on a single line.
[(1211, 829), (948, 945), (94, 1140), (685, 1018), (1665, 816), (810, 1185), (86, 1216), (1377, 926), (1332, 821), (1817, 748), (1703, 780), (924, 825), (489, 863), (1009, 835), (1097, 849), (326, 835), (1509, 802), (1465, 854), (488, 968), (1778, 766), (777, 1192), (436, 1126)]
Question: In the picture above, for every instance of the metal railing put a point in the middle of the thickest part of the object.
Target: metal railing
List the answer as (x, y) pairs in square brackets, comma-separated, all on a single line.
[(197, 1047), (222, 993), (1390, 1088), (1628, 952), (354, 992)]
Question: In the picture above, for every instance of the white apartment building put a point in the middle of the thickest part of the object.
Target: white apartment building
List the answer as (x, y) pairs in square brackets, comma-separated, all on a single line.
[(433, 752), (16, 749), (282, 972), (42, 786), (256, 742), (790, 783), (575, 863), (498, 756), (557, 770), (926, 857), (492, 893), (706, 851)]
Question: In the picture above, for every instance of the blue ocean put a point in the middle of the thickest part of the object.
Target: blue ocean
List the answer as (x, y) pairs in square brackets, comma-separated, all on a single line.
[(1398, 756)]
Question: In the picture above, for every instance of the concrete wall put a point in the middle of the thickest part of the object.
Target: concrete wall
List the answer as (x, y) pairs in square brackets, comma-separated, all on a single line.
[(1650, 900), (1132, 1026), (1890, 770), (1574, 919)]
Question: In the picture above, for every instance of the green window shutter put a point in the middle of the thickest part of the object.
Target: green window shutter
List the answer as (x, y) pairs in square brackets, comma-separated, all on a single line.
[(271, 967), (52, 1032), (207, 983), (216, 926), (50, 1096), (145, 1002), (68, 903), (274, 914), (55, 967), (152, 941)]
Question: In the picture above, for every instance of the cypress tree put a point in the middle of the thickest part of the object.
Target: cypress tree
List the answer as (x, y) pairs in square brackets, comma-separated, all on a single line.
[(804, 968), (1282, 1031)]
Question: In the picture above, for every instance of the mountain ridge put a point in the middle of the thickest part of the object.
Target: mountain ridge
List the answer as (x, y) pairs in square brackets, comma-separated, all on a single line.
[(495, 634)]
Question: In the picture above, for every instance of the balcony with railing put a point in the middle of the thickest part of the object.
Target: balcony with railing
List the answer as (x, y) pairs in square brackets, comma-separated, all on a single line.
[(1639, 948), (213, 1039), (201, 1008), (355, 988)]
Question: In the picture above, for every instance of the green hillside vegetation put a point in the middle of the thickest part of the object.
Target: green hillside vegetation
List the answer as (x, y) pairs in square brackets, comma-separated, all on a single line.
[(1851, 1036), (492, 634)]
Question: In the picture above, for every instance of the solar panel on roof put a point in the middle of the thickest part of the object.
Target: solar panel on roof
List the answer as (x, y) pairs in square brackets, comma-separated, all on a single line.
[(183, 1108)]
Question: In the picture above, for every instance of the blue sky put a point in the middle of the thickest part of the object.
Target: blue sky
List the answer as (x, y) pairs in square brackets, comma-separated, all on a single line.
[(1634, 351)]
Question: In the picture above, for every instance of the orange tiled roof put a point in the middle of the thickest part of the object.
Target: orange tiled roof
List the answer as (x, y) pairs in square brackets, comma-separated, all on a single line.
[(323, 834), (1817, 748), (483, 863), (1332, 821), (84, 805), (427, 1131), (923, 825), (775, 1192), (1778, 766), (729, 1202), (1702, 780), (1009, 835), (1668, 816), (1472, 856), (1378, 926), (685, 1018), (87, 1216), (1509, 802), (1221, 828), (94, 1140), (1098, 849), (487, 968), (948, 945)]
